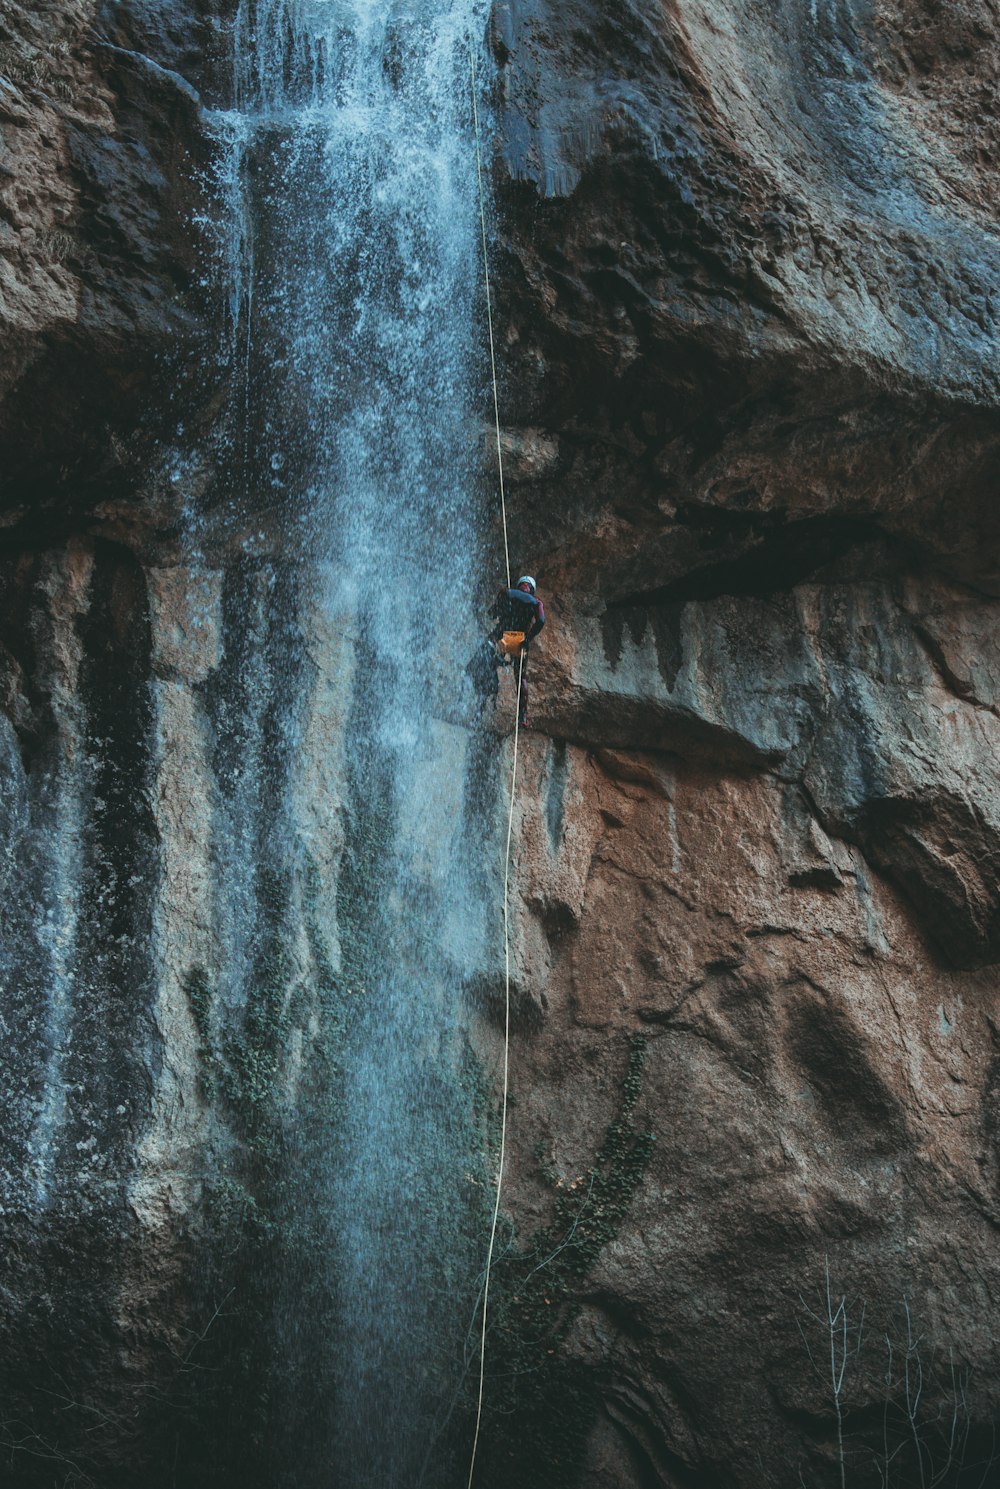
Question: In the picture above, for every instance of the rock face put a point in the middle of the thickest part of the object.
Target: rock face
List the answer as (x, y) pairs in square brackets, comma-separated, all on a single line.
[(749, 299), (104, 143), (748, 302)]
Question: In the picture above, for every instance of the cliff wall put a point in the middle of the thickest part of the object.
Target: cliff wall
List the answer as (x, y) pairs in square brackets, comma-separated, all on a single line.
[(748, 301), (750, 311)]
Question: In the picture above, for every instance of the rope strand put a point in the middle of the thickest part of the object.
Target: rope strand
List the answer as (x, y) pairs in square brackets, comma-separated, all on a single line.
[(489, 308), (513, 795), (506, 1077)]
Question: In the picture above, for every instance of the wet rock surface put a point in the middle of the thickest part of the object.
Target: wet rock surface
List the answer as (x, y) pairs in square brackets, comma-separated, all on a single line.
[(747, 301), (104, 149)]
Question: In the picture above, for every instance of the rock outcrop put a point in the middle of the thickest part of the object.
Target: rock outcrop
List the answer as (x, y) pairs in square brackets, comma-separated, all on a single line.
[(102, 315), (750, 300)]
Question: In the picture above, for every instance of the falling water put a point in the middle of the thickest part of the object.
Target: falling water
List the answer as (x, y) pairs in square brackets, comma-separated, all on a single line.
[(353, 268)]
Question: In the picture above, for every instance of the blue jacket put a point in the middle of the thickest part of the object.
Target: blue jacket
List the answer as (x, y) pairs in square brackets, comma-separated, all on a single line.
[(516, 610)]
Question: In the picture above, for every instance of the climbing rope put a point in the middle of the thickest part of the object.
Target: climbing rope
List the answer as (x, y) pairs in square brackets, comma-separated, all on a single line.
[(506, 1081), (510, 814), (489, 307)]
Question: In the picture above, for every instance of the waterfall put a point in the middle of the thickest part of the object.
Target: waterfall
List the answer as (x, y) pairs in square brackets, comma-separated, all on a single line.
[(354, 262)]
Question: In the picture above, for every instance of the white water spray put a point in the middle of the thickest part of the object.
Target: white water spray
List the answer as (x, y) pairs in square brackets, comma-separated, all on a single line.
[(354, 263)]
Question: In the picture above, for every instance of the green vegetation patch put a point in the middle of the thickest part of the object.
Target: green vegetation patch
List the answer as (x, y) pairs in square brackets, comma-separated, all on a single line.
[(540, 1402)]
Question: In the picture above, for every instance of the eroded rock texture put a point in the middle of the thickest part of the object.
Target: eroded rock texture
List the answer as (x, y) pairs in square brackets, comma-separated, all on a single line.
[(104, 148), (751, 307), (748, 284)]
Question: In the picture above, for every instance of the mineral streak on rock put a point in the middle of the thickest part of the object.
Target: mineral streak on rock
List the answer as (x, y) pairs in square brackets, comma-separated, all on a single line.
[(747, 302)]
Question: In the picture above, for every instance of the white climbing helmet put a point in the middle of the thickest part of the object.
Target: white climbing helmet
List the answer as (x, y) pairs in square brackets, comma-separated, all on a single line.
[(526, 579)]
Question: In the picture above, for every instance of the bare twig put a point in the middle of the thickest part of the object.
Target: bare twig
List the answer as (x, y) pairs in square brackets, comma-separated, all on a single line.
[(836, 1323)]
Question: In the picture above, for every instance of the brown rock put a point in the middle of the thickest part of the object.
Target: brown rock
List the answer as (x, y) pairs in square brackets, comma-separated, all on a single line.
[(750, 289)]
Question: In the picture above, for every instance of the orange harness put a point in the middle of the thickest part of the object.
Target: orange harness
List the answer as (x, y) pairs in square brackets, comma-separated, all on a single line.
[(511, 644)]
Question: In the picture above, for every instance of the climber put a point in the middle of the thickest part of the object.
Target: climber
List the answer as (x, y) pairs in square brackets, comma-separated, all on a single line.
[(519, 615)]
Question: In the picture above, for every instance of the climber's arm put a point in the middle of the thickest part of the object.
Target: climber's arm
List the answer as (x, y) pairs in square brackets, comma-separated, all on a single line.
[(538, 620)]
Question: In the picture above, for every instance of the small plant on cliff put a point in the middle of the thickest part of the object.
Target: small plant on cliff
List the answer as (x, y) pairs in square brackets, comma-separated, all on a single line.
[(837, 1332), (531, 1379), (925, 1436)]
